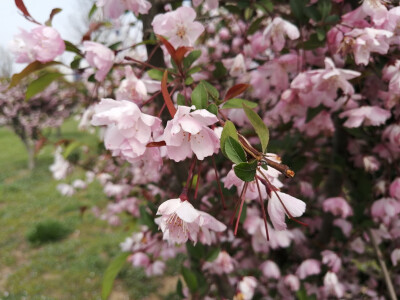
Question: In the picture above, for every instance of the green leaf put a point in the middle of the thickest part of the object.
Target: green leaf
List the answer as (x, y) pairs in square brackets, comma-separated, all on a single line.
[(40, 84), (212, 108), (179, 289), (115, 46), (238, 103), (324, 7), (180, 99), (320, 33), (211, 90), (228, 131), (312, 43), (213, 254), (92, 10), (72, 48), (234, 151), (312, 13), (32, 67), (189, 80), (196, 251), (190, 279), (199, 96), (71, 147), (255, 25), (191, 58), (220, 70), (146, 218), (259, 126), (76, 62), (246, 171), (297, 9), (111, 273), (332, 19), (313, 112), (155, 74), (193, 70)]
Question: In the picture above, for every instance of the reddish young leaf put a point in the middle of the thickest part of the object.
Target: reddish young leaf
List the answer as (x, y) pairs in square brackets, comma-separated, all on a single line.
[(180, 54), (92, 27), (236, 90), (52, 14), (170, 48), (156, 144), (167, 97), (21, 6)]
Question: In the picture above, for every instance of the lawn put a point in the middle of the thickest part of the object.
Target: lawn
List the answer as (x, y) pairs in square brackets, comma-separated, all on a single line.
[(68, 269)]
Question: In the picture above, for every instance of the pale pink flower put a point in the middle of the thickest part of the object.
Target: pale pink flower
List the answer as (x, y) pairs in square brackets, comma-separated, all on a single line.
[(375, 9), (178, 26), (224, 263), (385, 209), (114, 8), (394, 189), (128, 131), (292, 281), (131, 88), (60, 167), (308, 267), (79, 184), (99, 57), (281, 204), (332, 260), (371, 164), (188, 132), (270, 269), (65, 189), (369, 115), (43, 44), (208, 4), (368, 40), (332, 285), (156, 268), (116, 190), (140, 259), (344, 225), (307, 189), (337, 206), (358, 245), (277, 30), (237, 66), (180, 221), (392, 134), (247, 288), (395, 256)]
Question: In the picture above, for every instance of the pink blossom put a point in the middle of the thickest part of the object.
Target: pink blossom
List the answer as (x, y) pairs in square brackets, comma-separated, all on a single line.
[(277, 30), (222, 264), (332, 285), (270, 269), (358, 245), (338, 207), (131, 88), (307, 189), (99, 57), (65, 189), (369, 115), (292, 281), (371, 164), (140, 259), (178, 26), (237, 66), (308, 267), (180, 221), (247, 288), (392, 134), (114, 8), (331, 259), (79, 184), (395, 256), (43, 44), (156, 268), (368, 40), (344, 225), (188, 132), (394, 189), (385, 209), (209, 4), (281, 204), (128, 129), (60, 167)]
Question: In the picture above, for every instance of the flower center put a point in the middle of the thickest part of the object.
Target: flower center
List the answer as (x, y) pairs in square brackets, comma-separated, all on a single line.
[(181, 32), (176, 223)]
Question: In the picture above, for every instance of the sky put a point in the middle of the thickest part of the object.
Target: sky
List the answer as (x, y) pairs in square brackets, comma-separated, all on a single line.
[(66, 22)]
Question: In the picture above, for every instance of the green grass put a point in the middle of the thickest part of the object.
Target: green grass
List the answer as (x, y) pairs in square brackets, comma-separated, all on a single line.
[(68, 269)]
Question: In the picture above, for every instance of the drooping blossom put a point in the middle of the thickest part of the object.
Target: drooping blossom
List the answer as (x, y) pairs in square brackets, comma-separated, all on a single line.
[(332, 285), (332, 260), (131, 88), (224, 263), (308, 267), (369, 115), (292, 281), (246, 288), (392, 134), (99, 57), (367, 41), (43, 44), (114, 8), (277, 30), (128, 129), (281, 204), (270, 269), (178, 26), (180, 221), (61, 166), (385, 209), (371, 164), (395, 256), (188, 133), (375, 9), (338, 207), (394, 189)]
